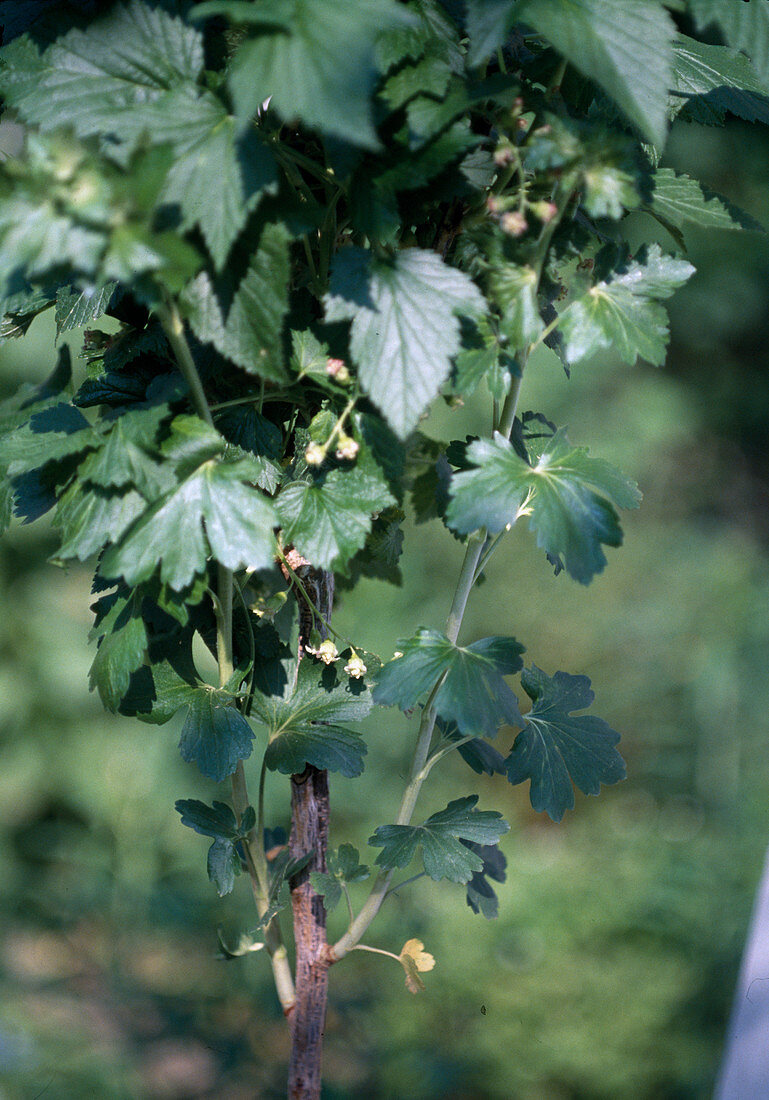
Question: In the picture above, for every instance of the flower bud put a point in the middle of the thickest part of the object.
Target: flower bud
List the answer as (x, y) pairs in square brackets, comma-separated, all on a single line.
[(337, 369), (346, 447), (543, 210), (513, 223), (315, 455)]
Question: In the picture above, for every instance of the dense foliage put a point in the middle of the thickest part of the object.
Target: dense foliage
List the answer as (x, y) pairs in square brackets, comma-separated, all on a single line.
[(310, 227)]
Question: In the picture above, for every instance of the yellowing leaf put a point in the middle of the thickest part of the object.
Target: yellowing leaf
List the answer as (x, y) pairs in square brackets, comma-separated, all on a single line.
[(415, 961)]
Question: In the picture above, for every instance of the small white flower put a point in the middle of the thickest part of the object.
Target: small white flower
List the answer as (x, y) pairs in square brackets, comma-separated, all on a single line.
[(314, 455), (355, 667), (397, 654), (327, 652)]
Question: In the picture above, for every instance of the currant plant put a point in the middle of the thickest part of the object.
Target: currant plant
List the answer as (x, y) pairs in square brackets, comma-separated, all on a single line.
[(308, 220)]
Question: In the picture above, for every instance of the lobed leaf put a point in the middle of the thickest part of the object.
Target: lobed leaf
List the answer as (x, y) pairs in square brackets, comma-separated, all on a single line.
[(405, 326), (557, 748), (568, 496), (440, 839), (473, 693)]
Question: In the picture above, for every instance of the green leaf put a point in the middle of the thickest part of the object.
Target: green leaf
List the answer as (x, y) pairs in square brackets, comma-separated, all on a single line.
[(98, 80), (745, 26), (481, 896), (679, 199), (514, 289), (567, 495), (473, 693), (625, 46), (223, 865), (557, 748), (215, 736), (122, 648), (77, 308), (405, 327), (709, 81), (486, 358), (303, 727), (440, 838), (623, 313), (49, 435), (89, 517), (343, 867), (217, 175), (251, 336), (327, 519), (310, 57), (212, 512), (217, 821), (121, 464)]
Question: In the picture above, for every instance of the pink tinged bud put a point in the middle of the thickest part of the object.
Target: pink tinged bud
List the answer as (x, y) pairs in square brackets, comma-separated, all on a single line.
[(337, 369), (347, 448), (493, 205), (545, 211), (503, 155), (513, 223)]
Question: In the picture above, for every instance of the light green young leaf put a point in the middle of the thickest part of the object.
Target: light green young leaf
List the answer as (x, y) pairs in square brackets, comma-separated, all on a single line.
[(709, 81), (237, 518), (745, 26), (625, 46), (89, 517), (310, 57), (77, 308), (473, 693), (251, 336), (568, 496), (557, 748), (405, 327), (514, 289), (623, 313), (679, 199), (97, 80), (328, 518), (303, 723), (440, 838)]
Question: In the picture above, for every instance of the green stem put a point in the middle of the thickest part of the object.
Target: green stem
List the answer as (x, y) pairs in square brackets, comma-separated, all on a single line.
[(406, 882), (172, 323), (376, 951), (440, 753)]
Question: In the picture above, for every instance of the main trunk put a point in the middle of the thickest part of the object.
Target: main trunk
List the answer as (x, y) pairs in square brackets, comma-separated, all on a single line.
[(309, 832)]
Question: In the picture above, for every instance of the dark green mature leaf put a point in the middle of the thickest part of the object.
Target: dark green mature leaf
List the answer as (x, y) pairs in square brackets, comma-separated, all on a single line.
[(303, 723), (89, 517), (77, 308), (473, 694), (327, 519), (567, 494), (215, 736), (679, 199), (212, 511), (309, 57), (251, 334), (49, 435), (121, 650), (210, 159), (217, 821), (623, 313), (223, 866), (440, 838), (481, 896), (709, 81), (405, 326), (624, 46), (121, 464), (98, 80), (745, 26), (557, 748)]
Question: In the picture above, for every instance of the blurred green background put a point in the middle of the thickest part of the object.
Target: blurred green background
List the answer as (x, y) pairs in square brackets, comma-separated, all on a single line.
[(609, 972)]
